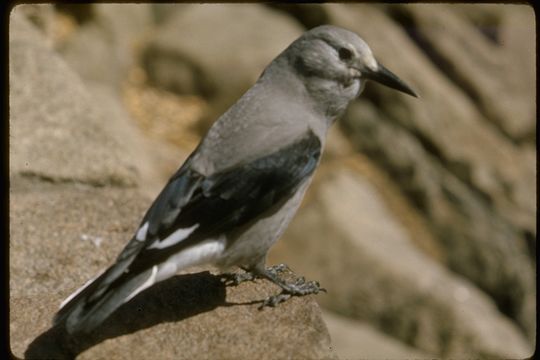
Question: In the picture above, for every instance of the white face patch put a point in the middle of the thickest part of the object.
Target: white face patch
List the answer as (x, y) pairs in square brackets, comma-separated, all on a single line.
[(369, 60), (174, 238)]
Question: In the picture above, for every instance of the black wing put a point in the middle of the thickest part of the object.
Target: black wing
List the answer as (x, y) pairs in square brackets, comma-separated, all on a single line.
[(228, 199)]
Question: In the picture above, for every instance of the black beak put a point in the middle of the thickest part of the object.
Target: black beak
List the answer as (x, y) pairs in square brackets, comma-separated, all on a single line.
[(384, 76)]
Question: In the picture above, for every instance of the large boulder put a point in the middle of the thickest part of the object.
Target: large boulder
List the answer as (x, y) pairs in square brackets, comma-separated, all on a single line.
[(103, 47), (58, 131), (345, 237), (358, 340), (492, 59), (62, 235), (42, 16), (471, 182)]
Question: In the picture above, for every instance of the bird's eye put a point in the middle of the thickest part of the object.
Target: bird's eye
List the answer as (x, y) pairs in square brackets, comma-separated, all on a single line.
[(345, 54)]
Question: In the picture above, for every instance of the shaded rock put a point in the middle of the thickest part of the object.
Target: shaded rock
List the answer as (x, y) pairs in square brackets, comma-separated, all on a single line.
[(479, 244), (472, 184), (220, 61), (357, 340), (163, 12), (103, 48), (446, 117), (493, 60), (338, 149), (348, 240), (309, 15), (62, 235), (58, 131)]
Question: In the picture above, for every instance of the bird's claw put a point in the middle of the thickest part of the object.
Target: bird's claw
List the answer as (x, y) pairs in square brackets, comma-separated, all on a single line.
[(235, 279), (299, 287)]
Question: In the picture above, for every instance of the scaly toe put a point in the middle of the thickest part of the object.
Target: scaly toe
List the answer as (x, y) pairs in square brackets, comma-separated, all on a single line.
[(277, 269)]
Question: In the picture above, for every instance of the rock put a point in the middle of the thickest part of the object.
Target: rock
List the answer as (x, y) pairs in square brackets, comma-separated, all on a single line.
[(498, 71), (471, 183), (103, 48), (52, 113), (155, 161), (163, 12), (63, 234), (221, 61), (471, 232), (309, 15), (496, 169), (41, 16), (357, 340), (345, 238)]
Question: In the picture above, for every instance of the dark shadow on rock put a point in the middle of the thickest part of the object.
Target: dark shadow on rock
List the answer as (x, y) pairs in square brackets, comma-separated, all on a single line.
[(172, 300)]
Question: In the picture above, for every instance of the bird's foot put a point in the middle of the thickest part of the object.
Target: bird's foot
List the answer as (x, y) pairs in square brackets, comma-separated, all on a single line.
[(275, 270), (298, 287)]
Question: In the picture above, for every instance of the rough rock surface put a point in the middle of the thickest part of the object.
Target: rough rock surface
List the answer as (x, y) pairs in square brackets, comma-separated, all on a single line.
[(358, 340), (470, 50), (62, 235), (470, 181), (114, 32), (373, 272), (52, 113)]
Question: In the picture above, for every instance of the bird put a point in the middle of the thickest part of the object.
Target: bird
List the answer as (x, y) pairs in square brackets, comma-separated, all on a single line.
[(235, 195)]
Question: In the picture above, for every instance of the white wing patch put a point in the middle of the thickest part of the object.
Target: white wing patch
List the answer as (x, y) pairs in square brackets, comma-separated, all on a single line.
[(205, 252), (78, 291), (174, 238), (141, 234), (149, 282)]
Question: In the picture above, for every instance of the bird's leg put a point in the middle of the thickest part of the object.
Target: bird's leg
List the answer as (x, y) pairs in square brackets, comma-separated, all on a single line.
[(297, 287), (235, 279)]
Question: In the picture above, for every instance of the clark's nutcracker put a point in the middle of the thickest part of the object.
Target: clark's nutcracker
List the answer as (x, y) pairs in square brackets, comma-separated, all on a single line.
[(237, 192)]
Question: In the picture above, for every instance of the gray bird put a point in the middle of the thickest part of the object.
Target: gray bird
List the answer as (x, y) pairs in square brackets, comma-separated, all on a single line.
[(237, 192)]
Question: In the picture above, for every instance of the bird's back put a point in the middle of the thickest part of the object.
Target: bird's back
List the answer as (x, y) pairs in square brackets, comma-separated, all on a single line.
[(272, 114)]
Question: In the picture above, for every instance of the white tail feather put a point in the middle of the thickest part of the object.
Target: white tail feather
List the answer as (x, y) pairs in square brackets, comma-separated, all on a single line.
[(78, 291), (149, 282)]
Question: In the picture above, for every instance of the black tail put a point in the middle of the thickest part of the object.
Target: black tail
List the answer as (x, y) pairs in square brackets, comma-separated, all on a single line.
[(92, 305)]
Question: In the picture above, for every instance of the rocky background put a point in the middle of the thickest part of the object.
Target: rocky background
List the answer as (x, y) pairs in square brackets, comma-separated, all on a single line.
[(421, 221)]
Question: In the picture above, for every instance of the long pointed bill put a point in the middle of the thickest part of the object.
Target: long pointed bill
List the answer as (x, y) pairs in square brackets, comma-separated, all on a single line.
[(384, 76)]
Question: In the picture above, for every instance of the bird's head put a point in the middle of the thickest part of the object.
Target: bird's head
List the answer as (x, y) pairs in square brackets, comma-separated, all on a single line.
[(335, 64)]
